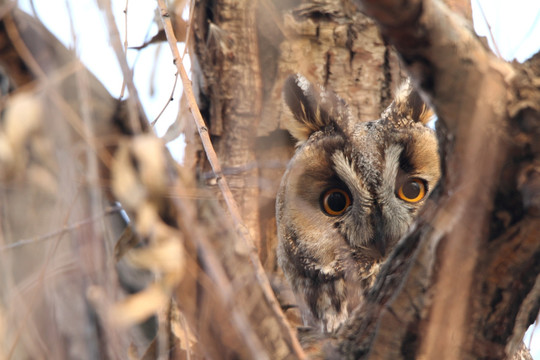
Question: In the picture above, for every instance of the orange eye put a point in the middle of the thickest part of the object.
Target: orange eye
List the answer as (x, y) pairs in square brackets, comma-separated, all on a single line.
[(413, 190), (335, 201)]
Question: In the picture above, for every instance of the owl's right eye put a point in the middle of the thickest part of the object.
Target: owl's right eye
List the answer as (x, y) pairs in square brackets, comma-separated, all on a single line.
[(335, 201), (413, 190)]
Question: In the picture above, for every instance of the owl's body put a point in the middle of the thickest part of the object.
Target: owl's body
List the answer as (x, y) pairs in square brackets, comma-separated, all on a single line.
[(349, 194)]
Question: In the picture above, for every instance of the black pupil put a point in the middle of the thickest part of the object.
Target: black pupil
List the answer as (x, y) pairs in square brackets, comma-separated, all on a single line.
[(336, 201), (411, 190)]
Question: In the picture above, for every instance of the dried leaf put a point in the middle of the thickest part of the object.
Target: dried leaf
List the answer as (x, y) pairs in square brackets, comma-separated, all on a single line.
[(162, 258), (23, 117), (139, 307), (125, 183), (149, 153), (22, 120), (146, 219), (178, 126), (127, 241), (139, 171), (181, 330), (174, 130), (7, 158)]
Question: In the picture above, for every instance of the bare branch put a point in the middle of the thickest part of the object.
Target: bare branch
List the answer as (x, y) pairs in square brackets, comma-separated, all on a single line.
[(168, 100), (135, 108), (125, 43)]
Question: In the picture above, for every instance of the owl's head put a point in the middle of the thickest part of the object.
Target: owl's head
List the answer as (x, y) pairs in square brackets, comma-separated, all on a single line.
[(349, 194), (350, 183)]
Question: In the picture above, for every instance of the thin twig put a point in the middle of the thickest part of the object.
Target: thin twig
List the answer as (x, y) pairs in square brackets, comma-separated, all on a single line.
[(211, 258), (189, 28), (199, 121), (496, 48), (40, 279), (33, 8), (22, 49), (125, 45), (152, 74), (171, 98), (64, 229), (135, 108), (224, 187), (71, 25)]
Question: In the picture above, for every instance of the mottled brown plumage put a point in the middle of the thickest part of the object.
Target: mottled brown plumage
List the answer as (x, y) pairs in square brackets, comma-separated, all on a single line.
[(349, 194)]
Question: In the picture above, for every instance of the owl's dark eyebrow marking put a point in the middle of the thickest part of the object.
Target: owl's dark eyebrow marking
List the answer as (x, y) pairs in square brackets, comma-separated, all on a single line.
[(405, 158)]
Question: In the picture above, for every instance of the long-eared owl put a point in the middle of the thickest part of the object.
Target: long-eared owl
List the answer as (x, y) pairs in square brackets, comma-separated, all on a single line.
[(350, 192)]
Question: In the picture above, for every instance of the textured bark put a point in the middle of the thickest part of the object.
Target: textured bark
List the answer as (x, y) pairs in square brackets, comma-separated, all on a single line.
[(225, 41), (333, 45)]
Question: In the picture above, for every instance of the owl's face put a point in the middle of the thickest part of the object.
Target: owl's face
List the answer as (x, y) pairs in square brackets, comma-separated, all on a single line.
[(350, 192)]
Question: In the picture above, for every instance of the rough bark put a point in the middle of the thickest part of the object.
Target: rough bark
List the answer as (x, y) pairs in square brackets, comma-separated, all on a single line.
[(225, 41)]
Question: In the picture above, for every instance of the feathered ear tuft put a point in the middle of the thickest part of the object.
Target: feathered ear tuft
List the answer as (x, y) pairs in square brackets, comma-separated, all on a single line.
[(408, 107), (310, 107)]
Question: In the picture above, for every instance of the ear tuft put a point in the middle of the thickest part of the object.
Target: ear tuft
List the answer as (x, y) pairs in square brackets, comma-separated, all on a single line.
[(304, 102), (408, 107)]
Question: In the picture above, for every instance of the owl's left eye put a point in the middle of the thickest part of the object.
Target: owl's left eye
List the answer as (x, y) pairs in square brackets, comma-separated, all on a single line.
[(335, 201), (413, 190)]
